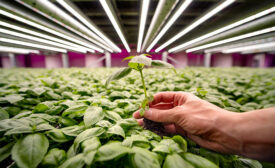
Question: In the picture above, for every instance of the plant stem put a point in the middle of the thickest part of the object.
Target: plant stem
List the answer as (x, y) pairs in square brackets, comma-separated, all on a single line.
[(143, 83)]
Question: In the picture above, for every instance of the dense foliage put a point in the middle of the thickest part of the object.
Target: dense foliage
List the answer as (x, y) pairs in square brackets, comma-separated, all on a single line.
[(67, 118)]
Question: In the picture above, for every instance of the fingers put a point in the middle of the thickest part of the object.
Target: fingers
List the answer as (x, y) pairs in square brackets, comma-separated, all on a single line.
[(175, 98), (165, 116), (136, 115), (163, 106)]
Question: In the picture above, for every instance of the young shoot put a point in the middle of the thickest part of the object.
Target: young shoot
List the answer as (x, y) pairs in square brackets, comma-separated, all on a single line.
[(138, 63)]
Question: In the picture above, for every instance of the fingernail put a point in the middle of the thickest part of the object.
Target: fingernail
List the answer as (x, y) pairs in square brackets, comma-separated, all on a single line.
[(148, 113)]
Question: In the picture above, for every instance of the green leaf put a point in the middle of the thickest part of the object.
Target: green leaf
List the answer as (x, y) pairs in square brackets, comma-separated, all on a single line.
[(168, 146), (175, 161), (42, 107), (130, 141), (135, 66), (5, 151), (87, 134), (141, 60), (75, 111), (89, 157), (127, 58), (143, 158), (13, 98), (111, 151), (90, 144), (74, 162), (118, 75), (20, 130), (29, 151), (93, 115), (198, 161), (3, 114), (54, 158), (73, 130), (112, 116), (104, 124), (182, 142), (117, 130), (251, 163), (58, 136)]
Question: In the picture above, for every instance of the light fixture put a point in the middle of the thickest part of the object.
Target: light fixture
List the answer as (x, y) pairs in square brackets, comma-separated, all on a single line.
[(228, 27), (247, 43), (17, 50), (115, 24), (250, 48), (6, 40), (255, 33), (74, 12), (29, 37), (196, 23), (160, 6), (169, 23), (52, 7), (18, 28), (144, 11), (25, 21)]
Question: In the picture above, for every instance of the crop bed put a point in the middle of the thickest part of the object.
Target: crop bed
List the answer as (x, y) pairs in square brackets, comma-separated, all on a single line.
[(67, 118)]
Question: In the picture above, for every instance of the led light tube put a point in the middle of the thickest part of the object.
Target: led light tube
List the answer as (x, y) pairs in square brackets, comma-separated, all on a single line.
[(169, 24), (158, 10), (254, 42), (18, 28), (228, 27), (255, 33), (25, 21), (115, 24), (17, 50), (259, 50), (13, 33), (196, 23), (144, 11), (249, 48), (88, 24), (6, 40), (67, 17)]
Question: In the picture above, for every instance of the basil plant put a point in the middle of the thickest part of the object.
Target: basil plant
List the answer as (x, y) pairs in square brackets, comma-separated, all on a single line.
[(138, 63)]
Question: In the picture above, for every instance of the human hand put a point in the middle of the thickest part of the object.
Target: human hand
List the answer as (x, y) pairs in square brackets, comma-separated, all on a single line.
[(185, 114)]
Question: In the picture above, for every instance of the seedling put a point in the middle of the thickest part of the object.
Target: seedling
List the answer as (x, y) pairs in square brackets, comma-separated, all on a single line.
[(138, 63)]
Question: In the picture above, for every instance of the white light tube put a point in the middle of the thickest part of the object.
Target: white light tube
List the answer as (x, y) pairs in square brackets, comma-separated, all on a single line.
[(144, 11), (17, 50), (6, 40), (88, 24), (158, 10), (13, 33), (169, 24), (228, 27), (255, 33), (11, 26), (250, 48), (67, 17), (25, 21), (115, 24), (196, 23), (18, 28)]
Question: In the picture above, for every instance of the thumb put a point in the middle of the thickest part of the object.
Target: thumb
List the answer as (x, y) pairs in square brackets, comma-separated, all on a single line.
[(168, 115)]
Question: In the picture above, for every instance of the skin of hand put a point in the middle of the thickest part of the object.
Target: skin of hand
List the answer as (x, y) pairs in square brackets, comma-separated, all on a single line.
[(250, 134)]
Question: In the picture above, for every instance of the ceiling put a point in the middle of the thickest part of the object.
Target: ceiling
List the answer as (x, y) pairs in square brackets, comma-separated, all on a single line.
[(128, 14)]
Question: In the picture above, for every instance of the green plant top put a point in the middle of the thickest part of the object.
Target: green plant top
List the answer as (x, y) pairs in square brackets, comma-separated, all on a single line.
[(138, 63)]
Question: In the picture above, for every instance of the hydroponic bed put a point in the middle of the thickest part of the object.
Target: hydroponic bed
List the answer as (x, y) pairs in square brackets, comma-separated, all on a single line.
[(67, 118)]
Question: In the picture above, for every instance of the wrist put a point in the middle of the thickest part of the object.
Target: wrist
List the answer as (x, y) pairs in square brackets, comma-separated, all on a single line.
[(227, 126)]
